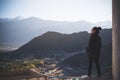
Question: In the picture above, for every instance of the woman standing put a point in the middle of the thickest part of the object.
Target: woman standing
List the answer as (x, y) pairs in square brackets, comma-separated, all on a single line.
[(93, 50)]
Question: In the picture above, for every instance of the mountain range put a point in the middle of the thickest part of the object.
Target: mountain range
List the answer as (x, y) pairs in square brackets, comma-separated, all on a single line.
[(16, 32)]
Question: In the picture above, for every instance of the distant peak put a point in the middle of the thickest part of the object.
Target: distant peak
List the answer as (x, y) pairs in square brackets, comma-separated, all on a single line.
[(34, 18), (18, 18)]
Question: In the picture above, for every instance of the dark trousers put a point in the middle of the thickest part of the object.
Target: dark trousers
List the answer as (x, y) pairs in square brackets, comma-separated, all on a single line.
[(93, 58)]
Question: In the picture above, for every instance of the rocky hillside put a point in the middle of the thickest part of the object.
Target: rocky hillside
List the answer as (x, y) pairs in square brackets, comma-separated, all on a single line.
[(78, 64)]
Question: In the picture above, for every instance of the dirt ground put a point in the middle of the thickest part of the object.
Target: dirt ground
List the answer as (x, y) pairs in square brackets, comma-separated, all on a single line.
[(105, 76)]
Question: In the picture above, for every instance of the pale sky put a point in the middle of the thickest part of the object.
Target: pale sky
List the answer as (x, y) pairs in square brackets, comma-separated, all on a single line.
[(60, 10)]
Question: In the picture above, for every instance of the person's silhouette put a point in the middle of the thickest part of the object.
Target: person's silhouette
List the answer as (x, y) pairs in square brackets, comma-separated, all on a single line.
[(93, 50)]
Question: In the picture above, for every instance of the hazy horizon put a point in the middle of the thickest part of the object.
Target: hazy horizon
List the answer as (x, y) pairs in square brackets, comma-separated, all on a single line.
[(58, 10), (22, 18)]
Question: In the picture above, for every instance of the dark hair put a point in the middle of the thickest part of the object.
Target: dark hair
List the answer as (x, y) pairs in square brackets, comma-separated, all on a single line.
[(97, 29)]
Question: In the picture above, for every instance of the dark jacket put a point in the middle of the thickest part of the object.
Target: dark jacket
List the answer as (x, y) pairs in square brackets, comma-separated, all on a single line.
[(94, 45)]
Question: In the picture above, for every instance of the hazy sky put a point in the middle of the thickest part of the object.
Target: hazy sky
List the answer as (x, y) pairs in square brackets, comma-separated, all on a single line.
[(61, 10)]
